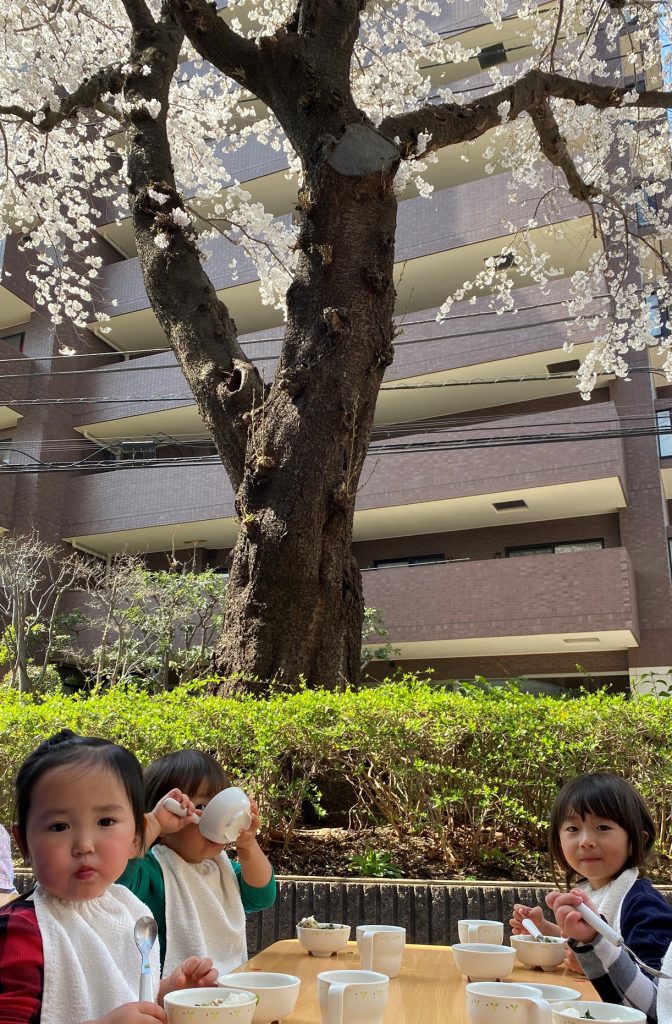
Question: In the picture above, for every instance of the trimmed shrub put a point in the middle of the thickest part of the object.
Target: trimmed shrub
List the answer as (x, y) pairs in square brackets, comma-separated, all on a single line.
[(472, 771)]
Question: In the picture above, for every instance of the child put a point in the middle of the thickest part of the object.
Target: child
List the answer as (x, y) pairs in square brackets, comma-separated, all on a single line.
[(602, 834), (198, 896), (609, 967), (67, 951)]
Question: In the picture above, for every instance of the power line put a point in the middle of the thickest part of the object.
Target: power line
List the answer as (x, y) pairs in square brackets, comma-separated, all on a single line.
[(377, 449)]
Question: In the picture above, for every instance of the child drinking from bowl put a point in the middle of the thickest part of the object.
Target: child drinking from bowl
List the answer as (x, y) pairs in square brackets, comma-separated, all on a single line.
[(197, 895), (601, 835), (67, 951)]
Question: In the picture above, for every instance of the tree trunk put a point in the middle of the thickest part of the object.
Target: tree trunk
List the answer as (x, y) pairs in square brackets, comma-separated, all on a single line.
[(308, 441)]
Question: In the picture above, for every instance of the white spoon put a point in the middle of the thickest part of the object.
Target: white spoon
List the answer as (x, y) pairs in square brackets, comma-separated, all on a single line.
[(175, 807), (601, 926), (144, 933), (529, 926)]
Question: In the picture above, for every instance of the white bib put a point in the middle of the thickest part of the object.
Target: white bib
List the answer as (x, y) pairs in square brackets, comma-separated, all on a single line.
[(204, 911), (609, 898), (91, 962)]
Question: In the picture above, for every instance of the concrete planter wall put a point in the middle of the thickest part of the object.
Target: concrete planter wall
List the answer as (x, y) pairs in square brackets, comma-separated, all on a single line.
[(429, 911)]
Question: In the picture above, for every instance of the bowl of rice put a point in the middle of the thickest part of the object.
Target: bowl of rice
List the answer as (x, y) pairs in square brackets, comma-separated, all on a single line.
[(210, 1006)]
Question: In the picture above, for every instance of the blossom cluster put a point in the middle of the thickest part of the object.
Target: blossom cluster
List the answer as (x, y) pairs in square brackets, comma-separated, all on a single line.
[(57, 187)]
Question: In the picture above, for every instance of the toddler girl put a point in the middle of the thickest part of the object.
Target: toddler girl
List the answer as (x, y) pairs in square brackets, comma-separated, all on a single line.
[(601, 836), (67, 951), (197, 895)]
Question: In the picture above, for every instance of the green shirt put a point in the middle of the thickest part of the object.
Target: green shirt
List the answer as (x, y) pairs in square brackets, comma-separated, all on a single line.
[(144, 877)]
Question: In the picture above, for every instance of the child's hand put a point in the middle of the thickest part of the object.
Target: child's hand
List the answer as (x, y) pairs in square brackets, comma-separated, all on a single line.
[(536, 915), (563, 905), (161, 821), (133, 1013), (196, 972), (248, 838)]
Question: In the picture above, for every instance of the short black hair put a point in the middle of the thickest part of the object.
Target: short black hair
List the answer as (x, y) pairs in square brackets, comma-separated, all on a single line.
[(67, 748), (607, 796), (187, 770)]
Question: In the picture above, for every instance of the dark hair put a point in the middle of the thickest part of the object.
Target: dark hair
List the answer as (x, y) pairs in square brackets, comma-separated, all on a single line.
[(67, 748), (187, 770), (606, 796)]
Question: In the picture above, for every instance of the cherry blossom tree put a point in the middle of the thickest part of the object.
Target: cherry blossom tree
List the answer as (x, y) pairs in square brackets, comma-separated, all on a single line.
[(138, 102)]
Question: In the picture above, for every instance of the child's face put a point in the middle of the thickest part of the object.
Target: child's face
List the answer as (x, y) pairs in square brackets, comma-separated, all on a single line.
[(594, 847), (80, 831), (189, 843)]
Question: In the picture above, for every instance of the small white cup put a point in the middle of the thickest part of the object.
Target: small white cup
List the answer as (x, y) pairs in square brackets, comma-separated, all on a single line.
[(226, 816), (472, 930), (381, 948), (352, 997), (500, 1002)]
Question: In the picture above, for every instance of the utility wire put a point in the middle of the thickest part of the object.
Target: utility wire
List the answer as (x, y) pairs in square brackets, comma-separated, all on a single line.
[(376, 449)]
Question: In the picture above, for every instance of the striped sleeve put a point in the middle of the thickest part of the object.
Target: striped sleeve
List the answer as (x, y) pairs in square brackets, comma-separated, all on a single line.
[(616, 977), (21, 964)]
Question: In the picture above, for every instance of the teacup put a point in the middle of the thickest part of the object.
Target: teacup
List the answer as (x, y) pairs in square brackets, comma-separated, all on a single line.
[(352, 997), (567, 1012), (198, 1006), (276, 993), (381, 947), (483, 961), (473, 930), (497, 1002), (226, 816)]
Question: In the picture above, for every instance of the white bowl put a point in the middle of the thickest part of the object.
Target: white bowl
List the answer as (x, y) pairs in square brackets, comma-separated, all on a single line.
[(276, 993), (555, 993), (547, 955), (189, 1006), (323, 941), (598, 1011), (226, 816), (483, 961)]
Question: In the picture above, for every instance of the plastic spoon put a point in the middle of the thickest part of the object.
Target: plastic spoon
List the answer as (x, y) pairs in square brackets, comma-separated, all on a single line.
[(529, 926), (601, 926), (175, 807), (144, 933)]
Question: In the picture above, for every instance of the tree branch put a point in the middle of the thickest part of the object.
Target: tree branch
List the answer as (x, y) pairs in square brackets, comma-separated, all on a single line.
[(450, 123), (110, 79), (237, 57), (139, 15), (554, 148)]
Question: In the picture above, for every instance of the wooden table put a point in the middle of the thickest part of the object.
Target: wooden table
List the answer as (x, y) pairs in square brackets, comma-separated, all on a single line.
[(429, 990)]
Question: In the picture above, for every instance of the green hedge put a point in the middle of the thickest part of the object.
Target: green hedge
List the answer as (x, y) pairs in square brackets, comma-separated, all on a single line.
[(471, 770)]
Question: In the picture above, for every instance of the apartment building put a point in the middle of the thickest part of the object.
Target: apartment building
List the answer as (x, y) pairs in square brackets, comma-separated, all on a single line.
[(504, 526)]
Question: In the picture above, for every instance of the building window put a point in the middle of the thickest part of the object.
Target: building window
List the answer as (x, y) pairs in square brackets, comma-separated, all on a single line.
[(645, 206), (14, 341), (664, 422), (5, 449), (389, 563), (560, 548)]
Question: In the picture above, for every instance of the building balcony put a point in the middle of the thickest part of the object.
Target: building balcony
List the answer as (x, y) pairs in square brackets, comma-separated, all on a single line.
[(450, 481), (443, 241), (537, 604)]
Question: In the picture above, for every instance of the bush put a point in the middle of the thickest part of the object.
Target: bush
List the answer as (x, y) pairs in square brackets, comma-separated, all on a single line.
[(475, 772)]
